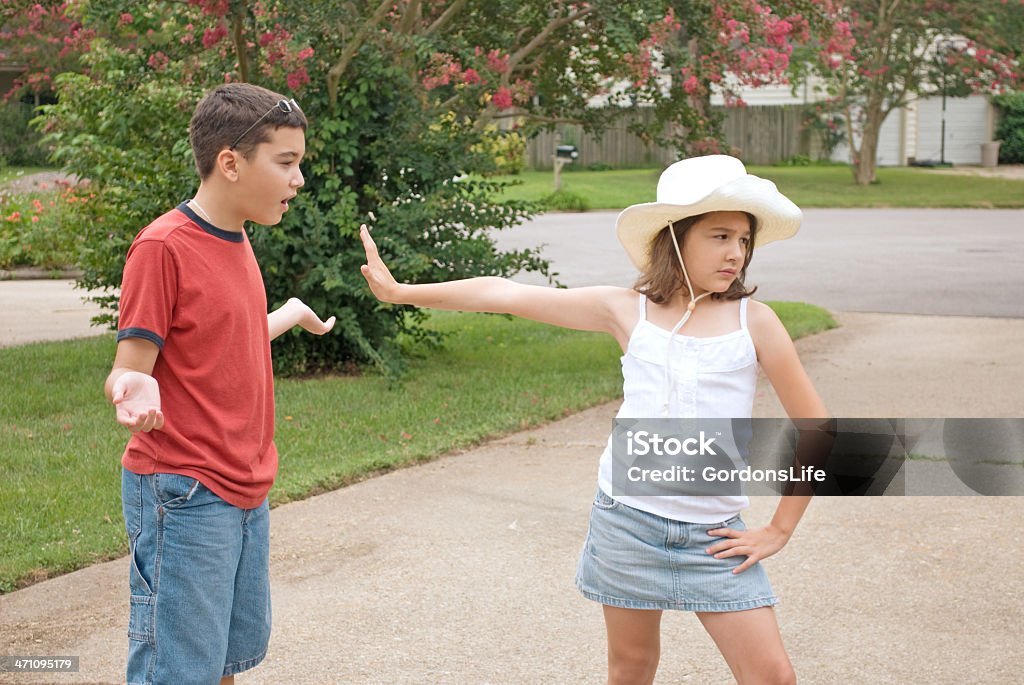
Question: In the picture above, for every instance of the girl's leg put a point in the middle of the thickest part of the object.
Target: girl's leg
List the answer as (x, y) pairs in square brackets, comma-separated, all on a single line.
[(751, 644), (634, 645)]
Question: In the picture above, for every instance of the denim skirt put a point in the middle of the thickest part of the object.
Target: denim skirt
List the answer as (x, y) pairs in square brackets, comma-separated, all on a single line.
[(637, 560)]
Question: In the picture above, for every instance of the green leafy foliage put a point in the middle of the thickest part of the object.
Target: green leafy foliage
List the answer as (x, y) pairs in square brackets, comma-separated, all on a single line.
[(566, 201), (1011, 127), (375, 155), (405, 176), (19, 144), (126, 132), (505, 149)]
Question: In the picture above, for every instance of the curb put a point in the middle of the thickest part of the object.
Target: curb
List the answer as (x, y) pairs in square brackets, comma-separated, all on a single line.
[(36, 274)]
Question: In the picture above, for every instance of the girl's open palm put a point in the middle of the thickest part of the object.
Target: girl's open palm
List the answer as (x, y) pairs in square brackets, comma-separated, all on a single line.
[(376, 273)]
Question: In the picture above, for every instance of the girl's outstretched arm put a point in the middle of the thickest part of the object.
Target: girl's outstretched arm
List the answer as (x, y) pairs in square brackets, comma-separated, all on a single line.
[(781, 364), (601, 308)]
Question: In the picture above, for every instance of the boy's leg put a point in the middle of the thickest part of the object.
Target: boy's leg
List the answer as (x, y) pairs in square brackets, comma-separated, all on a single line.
[(634, 645), (185, 547), (751, 644), (250, 610)]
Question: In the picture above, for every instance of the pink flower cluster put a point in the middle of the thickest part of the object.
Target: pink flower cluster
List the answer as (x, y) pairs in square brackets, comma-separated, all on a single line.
[(750, 42), (840, 45), (158, 61), (215, 35), (640, 65), (280, 54), (213, 8), (442, 69), (502, 98), (497, 62)]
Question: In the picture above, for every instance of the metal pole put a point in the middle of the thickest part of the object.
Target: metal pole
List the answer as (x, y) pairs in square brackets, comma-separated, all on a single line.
[(942, 153), (557, 163)]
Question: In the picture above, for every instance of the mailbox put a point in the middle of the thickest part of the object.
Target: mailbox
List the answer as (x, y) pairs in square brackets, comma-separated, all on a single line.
[(567, 153)]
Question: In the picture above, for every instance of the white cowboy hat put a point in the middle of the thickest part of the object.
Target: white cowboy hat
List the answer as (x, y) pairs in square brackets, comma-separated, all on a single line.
[(698, 185)]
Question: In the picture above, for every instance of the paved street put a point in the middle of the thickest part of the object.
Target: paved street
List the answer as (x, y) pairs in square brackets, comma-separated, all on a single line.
[(953, 262)]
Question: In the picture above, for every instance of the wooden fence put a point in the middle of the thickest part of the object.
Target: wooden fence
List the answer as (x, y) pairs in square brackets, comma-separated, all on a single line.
[(758, 135)]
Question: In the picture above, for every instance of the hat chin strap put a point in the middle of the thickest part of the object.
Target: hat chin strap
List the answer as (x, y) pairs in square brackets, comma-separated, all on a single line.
[(669, 381)]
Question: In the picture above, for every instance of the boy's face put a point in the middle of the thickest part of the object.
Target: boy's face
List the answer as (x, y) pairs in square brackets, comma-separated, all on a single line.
[(270, 178)]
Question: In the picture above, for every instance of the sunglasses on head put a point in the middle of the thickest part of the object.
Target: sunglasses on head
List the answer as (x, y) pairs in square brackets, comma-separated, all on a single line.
[(286, 106)]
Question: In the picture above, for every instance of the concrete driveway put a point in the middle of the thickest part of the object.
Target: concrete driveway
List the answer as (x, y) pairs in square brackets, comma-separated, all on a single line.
[(460, 571)]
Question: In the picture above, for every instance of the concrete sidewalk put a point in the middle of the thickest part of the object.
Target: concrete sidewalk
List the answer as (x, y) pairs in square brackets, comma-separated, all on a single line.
[(34, 311), (461, 570)]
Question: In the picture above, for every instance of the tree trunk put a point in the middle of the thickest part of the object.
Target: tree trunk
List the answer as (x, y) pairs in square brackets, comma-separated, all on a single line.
[(867, 156), (864, 164), (238, 39)]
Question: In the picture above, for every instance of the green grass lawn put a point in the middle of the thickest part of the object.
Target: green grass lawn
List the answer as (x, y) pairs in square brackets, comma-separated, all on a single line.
[(60, 503), (810, 186)]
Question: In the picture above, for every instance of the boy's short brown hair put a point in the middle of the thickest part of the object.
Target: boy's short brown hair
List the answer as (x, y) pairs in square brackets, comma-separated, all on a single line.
[(225, 114), (664, 278)]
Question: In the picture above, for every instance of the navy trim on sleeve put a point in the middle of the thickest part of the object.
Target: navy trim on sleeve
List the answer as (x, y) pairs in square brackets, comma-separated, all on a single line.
[(140, 333), (230, 236)]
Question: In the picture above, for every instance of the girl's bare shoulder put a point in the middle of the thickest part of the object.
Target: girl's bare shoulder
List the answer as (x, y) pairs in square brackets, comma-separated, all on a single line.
[(760, 311), (763, 322)]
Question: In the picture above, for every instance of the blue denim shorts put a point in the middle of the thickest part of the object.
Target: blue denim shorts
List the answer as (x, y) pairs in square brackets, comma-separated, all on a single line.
[(199, 577), (638, 560)]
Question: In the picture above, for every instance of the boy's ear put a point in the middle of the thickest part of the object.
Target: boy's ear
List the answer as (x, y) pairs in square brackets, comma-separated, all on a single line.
[(227, 164)]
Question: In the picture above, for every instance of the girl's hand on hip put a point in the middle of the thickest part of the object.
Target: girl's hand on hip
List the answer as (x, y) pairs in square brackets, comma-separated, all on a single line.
[(376, 273), (756, 544)]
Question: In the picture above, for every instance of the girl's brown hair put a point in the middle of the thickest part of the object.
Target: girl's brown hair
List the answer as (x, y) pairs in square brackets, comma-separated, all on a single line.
[(664, 278)]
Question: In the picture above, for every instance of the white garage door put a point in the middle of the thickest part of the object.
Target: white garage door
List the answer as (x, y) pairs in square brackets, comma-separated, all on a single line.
[(966, 129)]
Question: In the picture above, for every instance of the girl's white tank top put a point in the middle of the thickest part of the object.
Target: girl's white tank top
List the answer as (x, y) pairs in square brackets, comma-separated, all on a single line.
[(711, 378)]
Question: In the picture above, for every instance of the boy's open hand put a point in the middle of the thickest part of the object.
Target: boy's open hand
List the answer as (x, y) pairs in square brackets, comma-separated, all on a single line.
[(136, 396), (376, 273), (307, 318)]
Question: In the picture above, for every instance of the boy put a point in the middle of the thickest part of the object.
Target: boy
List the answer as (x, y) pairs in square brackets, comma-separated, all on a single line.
[(192, 379)]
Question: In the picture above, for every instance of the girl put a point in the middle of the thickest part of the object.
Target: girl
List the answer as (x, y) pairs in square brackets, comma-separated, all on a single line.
[(646, 554)]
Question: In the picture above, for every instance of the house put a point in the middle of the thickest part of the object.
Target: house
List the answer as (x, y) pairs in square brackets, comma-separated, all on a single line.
[(909, 134)]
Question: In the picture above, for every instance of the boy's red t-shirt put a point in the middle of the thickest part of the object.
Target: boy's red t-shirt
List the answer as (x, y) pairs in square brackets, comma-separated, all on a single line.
[(196, 291)]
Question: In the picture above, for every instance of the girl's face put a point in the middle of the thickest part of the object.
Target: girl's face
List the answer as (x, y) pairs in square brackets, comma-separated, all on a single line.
[(714, 250)]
